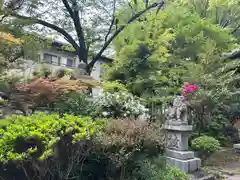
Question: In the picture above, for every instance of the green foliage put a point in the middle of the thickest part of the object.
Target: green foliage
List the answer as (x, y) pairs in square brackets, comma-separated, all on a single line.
[(75, 103), (167, 49), (137, 66), (127, 136), (94, 37), (27, 47), (218, 127), (68, 48), (212, 107), (2, 101), (217, 12), (4, 123), (33, 44), (30, 137), (156, 169), (205, 145), (71, 146), (45, 71), (127, 142), (7, 82), (119, 104), (114, 86), (68, 72), (173, 173), (185, 42)]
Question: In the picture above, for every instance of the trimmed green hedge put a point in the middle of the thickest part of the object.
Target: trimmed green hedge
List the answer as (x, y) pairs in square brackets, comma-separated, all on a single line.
[(52, 146), (207, 144), (28, 137)]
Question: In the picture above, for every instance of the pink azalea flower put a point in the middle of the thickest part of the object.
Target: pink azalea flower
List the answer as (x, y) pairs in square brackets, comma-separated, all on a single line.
[(191, 88)]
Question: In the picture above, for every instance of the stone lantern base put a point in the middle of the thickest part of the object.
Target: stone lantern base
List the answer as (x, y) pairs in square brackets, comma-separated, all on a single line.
[(237, 148), (177, 152)]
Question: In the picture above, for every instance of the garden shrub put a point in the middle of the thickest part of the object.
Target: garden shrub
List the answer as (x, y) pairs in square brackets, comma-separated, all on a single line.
[(205, 146), (59, 147), (220, 128), (4, 123), (234, 112), (45, 146), (119, 104), (132, 136), (75, 103), (30, 137), (2, 101), (173, 173), (214, 128), (113, 86), (156, 169), (126, 141), (231, 134)]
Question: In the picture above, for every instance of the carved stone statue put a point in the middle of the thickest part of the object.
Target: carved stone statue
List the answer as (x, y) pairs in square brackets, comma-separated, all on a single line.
[(177, 132), (82, 69), (79, 71), (177, 113)]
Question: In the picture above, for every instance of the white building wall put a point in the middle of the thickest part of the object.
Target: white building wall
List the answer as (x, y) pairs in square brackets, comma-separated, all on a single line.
[(31, 66), (96, 71), (63, 55), (96, 74)]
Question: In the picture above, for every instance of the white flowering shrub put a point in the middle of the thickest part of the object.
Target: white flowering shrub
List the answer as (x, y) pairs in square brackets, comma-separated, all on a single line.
[(119, 104)]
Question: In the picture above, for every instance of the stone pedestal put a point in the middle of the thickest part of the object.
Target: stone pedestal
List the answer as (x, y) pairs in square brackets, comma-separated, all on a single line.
[(177, 152), (237, 148)]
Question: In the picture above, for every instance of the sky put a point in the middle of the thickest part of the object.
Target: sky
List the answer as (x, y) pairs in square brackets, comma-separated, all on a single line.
[(51, 11), (87, 16)]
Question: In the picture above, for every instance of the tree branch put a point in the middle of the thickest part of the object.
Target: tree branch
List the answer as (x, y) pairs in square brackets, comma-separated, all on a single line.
[(121, 28), (82, 53), (80, 34), (235, 29), (69, 9), (3, 17), (74, 14), (68, 37), (234, 55), (107, 59), (113, 19), (14, 5)]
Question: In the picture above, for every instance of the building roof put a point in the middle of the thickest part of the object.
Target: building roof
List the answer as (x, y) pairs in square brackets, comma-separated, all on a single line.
[(235, 54), (62, 46)]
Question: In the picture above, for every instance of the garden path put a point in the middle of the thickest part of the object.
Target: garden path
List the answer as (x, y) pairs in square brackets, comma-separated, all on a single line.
[(228, 162)]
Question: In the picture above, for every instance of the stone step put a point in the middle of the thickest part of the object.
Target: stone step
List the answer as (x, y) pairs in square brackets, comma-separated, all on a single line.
[(187, 166), (183, 155), (237, 147)]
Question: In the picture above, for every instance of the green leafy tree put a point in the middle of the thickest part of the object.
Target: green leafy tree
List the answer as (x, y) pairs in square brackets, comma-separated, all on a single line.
[(16, 43), (169, 48), (219, 92), (89, 26), (225, 13)]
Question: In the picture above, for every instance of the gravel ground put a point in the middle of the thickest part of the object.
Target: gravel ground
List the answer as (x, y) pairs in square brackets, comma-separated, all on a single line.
[(226, 162), (234, 177)]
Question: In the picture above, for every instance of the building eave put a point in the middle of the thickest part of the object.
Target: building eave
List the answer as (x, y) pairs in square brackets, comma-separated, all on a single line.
[(234, 55)]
